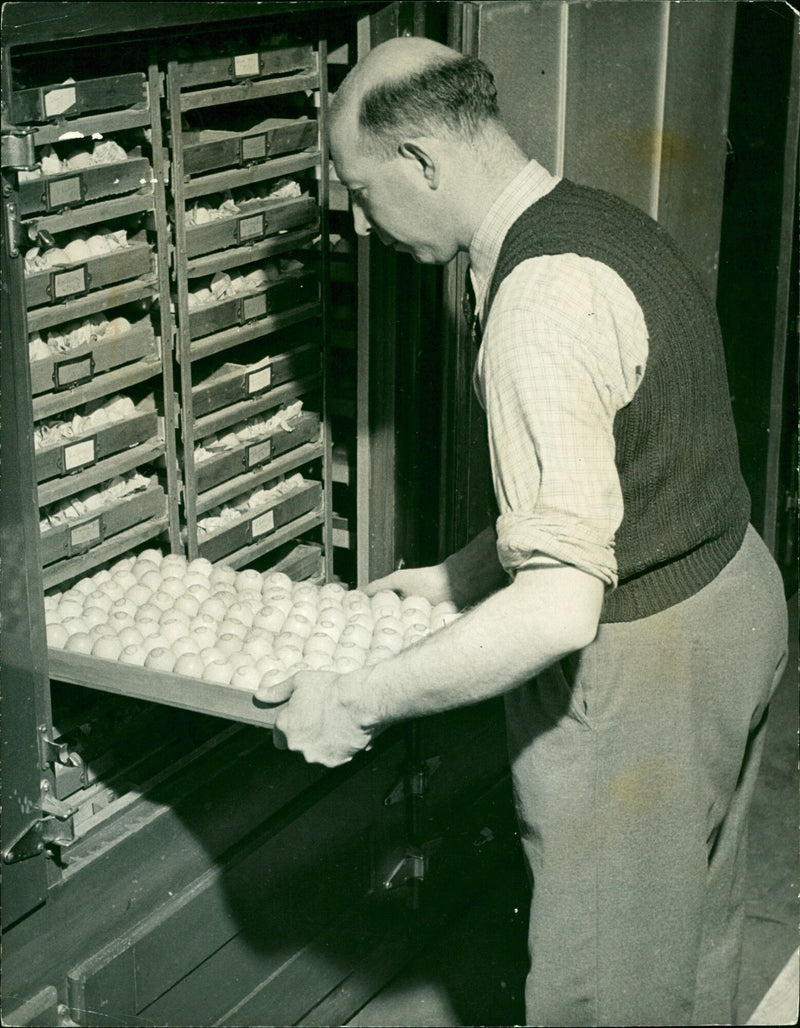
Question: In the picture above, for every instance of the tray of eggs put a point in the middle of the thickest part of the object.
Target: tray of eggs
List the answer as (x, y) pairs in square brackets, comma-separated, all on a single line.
[(205, 637)]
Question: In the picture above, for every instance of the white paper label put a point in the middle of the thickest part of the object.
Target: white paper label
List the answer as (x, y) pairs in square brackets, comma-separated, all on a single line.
[(61, 191), (66, 283), (258, 380), (252, 227), (78, 454), (86, 534), (263, 524), (259, 452), (254, 307), (59, 100), (246, 64), (73, 370)]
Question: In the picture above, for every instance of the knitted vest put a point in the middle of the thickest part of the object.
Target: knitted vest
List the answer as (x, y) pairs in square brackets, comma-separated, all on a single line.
[(686, 506)]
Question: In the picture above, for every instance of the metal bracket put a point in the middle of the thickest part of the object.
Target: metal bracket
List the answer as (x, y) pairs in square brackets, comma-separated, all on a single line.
[(55, 826), (412, 867), (58, 752), (17, 150), (414, 781)]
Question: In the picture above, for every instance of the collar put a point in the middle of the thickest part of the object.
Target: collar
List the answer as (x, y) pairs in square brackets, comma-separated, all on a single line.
[(529, 185)]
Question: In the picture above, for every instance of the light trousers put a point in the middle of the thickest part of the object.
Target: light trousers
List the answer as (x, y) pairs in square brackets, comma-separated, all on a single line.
[(634, 763)]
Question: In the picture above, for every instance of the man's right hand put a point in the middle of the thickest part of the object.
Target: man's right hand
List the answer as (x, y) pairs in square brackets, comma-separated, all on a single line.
[(432, 583)]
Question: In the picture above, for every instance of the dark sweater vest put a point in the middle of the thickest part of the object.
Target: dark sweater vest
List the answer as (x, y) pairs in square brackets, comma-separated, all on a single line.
[(686, 506)]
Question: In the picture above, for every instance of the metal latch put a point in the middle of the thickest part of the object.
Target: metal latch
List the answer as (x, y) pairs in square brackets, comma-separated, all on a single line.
[(414, 781), (54, 826), (412, 867)]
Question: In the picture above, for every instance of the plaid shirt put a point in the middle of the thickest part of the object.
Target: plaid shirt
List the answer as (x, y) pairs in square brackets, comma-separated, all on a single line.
[(564, 348)]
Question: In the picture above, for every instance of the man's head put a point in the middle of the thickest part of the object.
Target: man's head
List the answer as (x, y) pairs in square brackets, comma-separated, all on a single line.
[(407, 125)]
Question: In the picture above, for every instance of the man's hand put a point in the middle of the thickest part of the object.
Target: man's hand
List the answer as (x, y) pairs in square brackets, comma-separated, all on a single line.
[(432, 583), (315, 721)]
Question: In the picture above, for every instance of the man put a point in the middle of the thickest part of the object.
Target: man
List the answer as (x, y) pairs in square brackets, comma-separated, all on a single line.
[(622, 604)]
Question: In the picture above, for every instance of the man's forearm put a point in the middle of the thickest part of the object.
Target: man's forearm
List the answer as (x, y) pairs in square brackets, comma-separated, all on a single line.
[(506, 640)]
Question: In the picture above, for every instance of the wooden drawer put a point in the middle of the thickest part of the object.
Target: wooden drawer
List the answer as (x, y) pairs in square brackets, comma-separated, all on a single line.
[(259, 524), (256, 455), (69, 100), (65, 371), (235, 382), (257, 222), (85, 533), (261, 64), (81, 451), (292, 290), (66, 282), (212, 149), (76, 188)]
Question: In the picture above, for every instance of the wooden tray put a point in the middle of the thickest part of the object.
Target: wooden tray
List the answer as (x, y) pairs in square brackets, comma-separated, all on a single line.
[(235, 382), (81, 451), (211, 149), (85, 533), (280, 61), (68, 281), (257, 455), (68, 370), (69, 100), (257, 222), (292, 290), (76, 188), (159, 686), (261, 523)]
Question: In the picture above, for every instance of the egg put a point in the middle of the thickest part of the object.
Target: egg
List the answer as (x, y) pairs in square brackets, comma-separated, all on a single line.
[(222, 574), (273, 676), (152, 579), (277, 579), (388, 621), (332, 590), (107, 647), (240, 612), (252, 599), (185, 644), (385, 602), (125, 606), (101, 576), (198, 592), (209, 654), (172, 587), (69, 609), (233, 626), (130, 636), (148, 612), (214, 607), (281, 602), (79, 642), (101, 600), (288, 639), (416, 603), (124, 579), (271, 618), (305, 591), (246, 678), (187, 604), (99, 631), (133, 655), (305, 609), (156, 556), (389, 638), (85, 586), (319, 661), (119, 619), (298, 624), (160, 659), (218, 671), (414, 634), (145, 567), (237, 660), (288, 655), (74, 625), (204, 636), (414, 616), (189, 665), (94, 616), (356, 635), (126, 563), (195, 578), (446, 607), (356, 600), (320, 642), (173, 630), (258, 644), (351, 650), (227, 642), (203, 621), (224, 591), (173, 560), (51, 600), (200, 566), (163, 600), (57, 635), (171, 573), (154, 642), (248, 579), (364, 620)]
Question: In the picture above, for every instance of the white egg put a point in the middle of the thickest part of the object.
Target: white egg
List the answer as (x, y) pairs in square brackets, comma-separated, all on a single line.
[(173, 630), (154, 642), (289, 656), (124, 579), (224, 591), (227, 642), (107, 648), (237, 660), (270, 618), (101, 576), (214, 607), (204, 636), (332, 618), (365, 620), (102, 600), (133, 655), (85, 586), (385, 602), (185, 644), (274, 676), (148, 612), (305, 591), (351, 650), (152, 579), (156, 556), (125, 564), (79, 642), (130, 636), (417, 603), (102, 631), (203, 621), (57, 635), (51, 600), (198, 592), (145, 567), (119, 619), (69, 609), (125, 606), (233, 626), (388, 622), (221, 574), (200, 566), (171, 573), (248, 579), (196, 578), (187, 604), (74, 596), (190, 665), (208, 654), (446, 607), (356, 635), (94, 616), (298, 624), (163, 600), (319, 661), (240, 612), (356, 600), (333, 590), (414, 634), (172, 587), (305, 609), (173, 560), (75, 625), (277, 579), (319, 643), (258, 644), (252, 600), (160, 659), (52, 616), (388, 638), (218, 671), (281, 601), (247, 678)]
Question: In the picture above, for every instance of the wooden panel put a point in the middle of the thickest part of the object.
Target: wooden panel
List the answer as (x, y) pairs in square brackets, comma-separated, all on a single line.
[(612, 132), (521, 43), (697, 92)]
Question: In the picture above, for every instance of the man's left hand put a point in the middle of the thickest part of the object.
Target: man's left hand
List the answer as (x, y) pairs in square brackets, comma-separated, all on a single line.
[(314, 721)]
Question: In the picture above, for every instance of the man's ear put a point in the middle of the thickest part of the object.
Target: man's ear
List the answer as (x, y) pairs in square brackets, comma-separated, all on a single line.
[(428, 165)]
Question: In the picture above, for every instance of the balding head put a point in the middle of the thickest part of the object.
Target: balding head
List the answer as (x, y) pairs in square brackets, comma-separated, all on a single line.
[(409, 87)]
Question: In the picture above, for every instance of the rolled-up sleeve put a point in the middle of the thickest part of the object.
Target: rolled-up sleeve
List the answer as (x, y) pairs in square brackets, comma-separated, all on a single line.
[(564, 349)]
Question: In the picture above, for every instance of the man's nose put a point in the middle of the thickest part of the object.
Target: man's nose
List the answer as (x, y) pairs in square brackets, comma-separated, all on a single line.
[(360, 221)]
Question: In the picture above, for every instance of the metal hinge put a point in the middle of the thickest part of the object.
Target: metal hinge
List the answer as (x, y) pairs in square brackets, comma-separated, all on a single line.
[(55, 825), (412, 867), (17, 151), (414, 781)]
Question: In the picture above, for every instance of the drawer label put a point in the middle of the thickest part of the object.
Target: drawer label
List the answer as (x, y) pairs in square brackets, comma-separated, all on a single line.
[(73, 371), (262, 524), (69, 283), (64, 191), (246, 64), (259, 379), (57, 101), (85, 535), (254, 307), (258, 453), (251, 227), (254, 148), (78, 455)]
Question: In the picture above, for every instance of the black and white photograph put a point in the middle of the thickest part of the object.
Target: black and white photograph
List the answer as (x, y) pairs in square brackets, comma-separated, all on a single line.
[(399, 513)]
